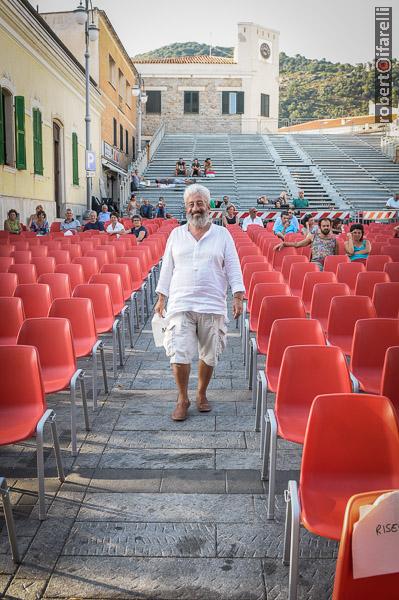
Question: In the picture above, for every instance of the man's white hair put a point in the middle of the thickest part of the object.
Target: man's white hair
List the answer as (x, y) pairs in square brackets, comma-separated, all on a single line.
[(197, 188)]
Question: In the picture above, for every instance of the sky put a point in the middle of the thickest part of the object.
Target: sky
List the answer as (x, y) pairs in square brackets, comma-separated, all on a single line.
[(338, 30)]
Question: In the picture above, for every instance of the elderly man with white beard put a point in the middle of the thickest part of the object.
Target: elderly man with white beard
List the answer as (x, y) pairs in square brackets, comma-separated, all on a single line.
[(199, 263)]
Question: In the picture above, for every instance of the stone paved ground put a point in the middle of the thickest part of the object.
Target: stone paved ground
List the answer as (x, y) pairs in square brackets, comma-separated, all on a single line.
[(156, 510)]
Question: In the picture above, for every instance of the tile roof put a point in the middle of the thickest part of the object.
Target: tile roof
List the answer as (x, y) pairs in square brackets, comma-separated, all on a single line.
[(184, 60), (329, 123)]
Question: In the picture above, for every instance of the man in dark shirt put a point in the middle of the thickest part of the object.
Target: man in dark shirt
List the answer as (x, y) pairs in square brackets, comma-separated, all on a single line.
[(146, 209), (93, 222), (138, 229)]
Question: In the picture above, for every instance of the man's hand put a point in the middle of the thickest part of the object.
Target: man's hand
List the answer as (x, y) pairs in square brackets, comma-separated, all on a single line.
[(279, 246), (237, 305), (160, 305)]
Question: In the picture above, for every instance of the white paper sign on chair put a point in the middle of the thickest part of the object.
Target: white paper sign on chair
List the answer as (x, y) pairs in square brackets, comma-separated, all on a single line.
[(375, 538)]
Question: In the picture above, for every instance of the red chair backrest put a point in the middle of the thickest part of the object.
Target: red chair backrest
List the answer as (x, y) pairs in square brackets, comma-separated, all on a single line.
[(80, 313), (371, 339), (89, 265), (25, 273), (114, 281), (248, 250), (74, 271), (59, 284), (123, 271), (12, 317), (276, 307), (288, 261), (5, 263), (386, 299), (22, 257), (101, 256), (36, 298), (260, 291), (310, 280), (73, 249), (100, 296), (111, 252), (331, 262), (342, 317), (262, 277), (60, 256), (365, 282), (322, 295), (392, 251), (377, 262), (390, 376), (297, 274), (392, 269), (250, 268), (135, 264), (38, 251), (6, 250), (279, 255), (348, 272), (253, 258), (44, 264)]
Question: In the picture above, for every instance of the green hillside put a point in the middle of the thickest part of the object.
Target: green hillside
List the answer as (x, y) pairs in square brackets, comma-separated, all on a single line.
[(309, 88)]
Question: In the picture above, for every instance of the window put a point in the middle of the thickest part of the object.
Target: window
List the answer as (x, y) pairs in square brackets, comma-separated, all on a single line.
[(121, 84), (127, 141), (111, 71), (37, 142), (128, 98), (20, 149), (264, 105), (75, 159), (121, 137), (115, 132), (133, 148), (6, 128), (153, 105), (191, 102), (232, 103)]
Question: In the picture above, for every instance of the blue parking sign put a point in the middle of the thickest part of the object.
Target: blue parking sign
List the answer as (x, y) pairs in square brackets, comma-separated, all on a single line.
[(90, 160)]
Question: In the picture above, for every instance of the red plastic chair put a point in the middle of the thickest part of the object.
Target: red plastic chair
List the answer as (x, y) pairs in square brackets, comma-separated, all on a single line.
[(59, 284), (262, 277), (322, 295), (86, 246), (392, 269), (139, 284), (377, 262), (345, 587), (53, 339), (120, 309), (9, 519), (390, 376), (89, 264), (128, 288), (5, 263), (250, 268), (371, 339), (101, 256), (342, 317), (348, 272), (100, 295), (36, 298), (331, 262), (22, 257), (23, 410), (74, 250), (25, 273), (386, 299), (310, 280), (366, 281), (111, 252), (297, 274), (392, 251), (60, 256), (75, 273), (44, 264), (279, 255), (253, 258), (79, 312), (338, 461), (6, 250), (298, 384), (8, 284), (271, 308), (20, 244), (284, 333), (38, 251), (248, 250), (12, 317), (288, 261)]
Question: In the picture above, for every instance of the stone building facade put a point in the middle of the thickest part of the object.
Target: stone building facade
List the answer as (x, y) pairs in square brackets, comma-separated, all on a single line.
[(216, 94)]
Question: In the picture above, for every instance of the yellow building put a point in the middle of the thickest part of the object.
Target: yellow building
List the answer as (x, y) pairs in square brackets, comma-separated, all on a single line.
[(42, 127), (114, 72)]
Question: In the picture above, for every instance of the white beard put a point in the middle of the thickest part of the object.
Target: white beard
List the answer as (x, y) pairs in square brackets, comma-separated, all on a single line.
[(198, 221)]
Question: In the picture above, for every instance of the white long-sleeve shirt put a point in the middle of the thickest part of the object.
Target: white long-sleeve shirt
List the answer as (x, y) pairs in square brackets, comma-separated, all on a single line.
[(195, 274), (248, 221)]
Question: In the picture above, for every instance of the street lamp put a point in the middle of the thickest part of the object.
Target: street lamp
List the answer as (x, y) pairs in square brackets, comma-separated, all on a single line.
[(82, 14), (139, 93)]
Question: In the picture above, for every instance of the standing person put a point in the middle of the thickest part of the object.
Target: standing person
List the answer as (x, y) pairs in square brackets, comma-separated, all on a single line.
[(135, 183), (323, 243), (12, 224), (200, 260), (115, 227), (133, 206), (225, 204), (40, 224), (301, 201), (138, 229), (104, 215), (146, 209), (252, 219), (357, 247), (70, 223)]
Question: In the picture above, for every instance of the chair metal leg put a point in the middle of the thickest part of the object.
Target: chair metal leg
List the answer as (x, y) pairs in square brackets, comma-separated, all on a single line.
[(101, 349), (262, 384), (114, 350), (271, 500), (265, 449), (142, 299), (129, 325), (57, 451), (9, 519), (40, 463), (294, 545), (253, 364), (72, 387), (94, 374), (119, 326), (84, 399)]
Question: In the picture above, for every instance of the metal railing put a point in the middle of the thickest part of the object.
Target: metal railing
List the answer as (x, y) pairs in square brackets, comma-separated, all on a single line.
[(148, 152)]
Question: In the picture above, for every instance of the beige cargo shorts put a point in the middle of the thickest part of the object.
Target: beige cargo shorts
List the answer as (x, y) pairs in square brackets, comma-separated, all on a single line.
[(189, 332)]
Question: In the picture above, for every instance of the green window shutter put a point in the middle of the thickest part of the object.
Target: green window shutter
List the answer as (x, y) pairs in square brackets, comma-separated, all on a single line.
[(75, 160), (37, 142), (225, 103), (240, 103), (2, 140), (20, 132)]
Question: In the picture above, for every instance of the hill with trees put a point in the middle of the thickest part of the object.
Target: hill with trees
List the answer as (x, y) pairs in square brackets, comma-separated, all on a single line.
[(309, 88)]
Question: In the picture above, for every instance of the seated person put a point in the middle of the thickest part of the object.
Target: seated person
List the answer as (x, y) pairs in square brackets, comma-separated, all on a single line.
[(309, 225), (293, 219), (357, 247), (70, 223), (252, 219), (181, 169), (104, 215), (138, 229), (282, 199), (33, 217), (115, 227), (146, 209), (12, 224), (263, 200), (300, 201), (195, 168), (337, 226), (229, 218), (93, 223), (393, 202), (208, 167), (284, 225), (160, 211), (323, 243), (40, 224)]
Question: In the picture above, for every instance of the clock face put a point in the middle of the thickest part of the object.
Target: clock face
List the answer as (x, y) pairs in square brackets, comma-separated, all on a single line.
[(265, 50)]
